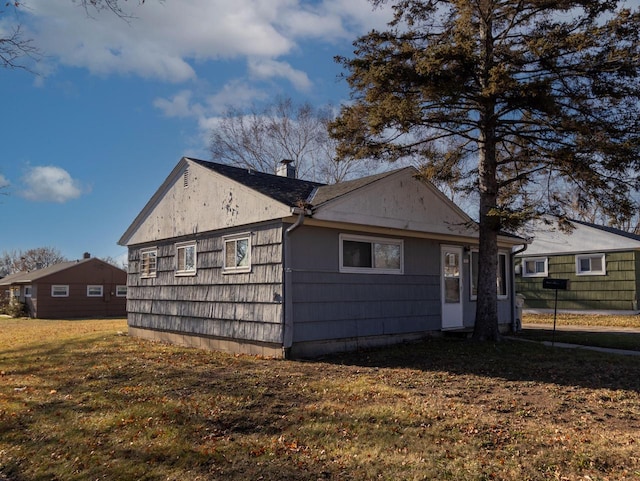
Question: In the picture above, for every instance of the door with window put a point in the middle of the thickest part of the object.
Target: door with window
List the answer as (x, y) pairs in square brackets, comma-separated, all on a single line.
[(451, 287)]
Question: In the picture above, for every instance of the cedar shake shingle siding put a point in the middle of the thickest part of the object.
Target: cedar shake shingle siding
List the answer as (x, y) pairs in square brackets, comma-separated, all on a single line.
[(611, 284), (297, 296)]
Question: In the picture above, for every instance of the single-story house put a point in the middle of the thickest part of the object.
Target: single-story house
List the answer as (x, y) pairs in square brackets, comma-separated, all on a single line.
[(232, 259), (601, 264), (88, 287)]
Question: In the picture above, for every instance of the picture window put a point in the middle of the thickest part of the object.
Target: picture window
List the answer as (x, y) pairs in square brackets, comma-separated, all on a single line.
[(371, 255)]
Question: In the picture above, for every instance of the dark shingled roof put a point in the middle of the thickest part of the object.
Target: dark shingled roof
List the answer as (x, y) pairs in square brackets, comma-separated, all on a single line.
[(26, 277), (283, 189), (610, 230)]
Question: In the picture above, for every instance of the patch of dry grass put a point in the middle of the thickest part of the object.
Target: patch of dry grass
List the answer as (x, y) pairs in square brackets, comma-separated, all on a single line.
[(78, 401), (612, 320)]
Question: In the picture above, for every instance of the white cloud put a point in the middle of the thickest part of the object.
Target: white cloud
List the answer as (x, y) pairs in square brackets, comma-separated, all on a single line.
[(4, 182), (179, 105), (163, 38), (167, 39), (267, 69), (235, 93), (50, 184)]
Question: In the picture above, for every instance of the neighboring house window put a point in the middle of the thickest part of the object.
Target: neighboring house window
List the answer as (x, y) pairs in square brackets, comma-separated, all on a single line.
[(591, 265), (27, 291), (94, 291), (148, 262), (502, 278), (15, 292), (371, 255), (186, 258), (535, 267), (121, 291), (237, 253), (59, 291)]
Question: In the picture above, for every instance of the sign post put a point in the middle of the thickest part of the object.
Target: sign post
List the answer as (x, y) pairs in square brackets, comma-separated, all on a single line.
[(555, 284)]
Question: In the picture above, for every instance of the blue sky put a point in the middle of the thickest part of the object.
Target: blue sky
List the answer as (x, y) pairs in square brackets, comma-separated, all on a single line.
[(112, 105)]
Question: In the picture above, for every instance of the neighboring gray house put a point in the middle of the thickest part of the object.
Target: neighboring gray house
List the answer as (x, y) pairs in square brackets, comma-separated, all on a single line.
[(601, 263), (237, 260)]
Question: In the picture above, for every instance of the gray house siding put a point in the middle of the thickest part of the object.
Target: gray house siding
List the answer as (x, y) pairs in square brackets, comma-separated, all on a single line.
[(245, 307), (330, 305)]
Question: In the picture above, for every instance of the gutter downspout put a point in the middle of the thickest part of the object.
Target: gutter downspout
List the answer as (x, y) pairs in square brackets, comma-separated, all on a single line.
[(287, 324), (514, 321)]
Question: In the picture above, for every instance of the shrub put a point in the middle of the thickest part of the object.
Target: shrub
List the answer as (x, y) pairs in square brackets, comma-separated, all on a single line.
[(15, 308)]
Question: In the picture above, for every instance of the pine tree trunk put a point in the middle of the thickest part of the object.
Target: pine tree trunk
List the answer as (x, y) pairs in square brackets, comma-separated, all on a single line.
[(486, 323)]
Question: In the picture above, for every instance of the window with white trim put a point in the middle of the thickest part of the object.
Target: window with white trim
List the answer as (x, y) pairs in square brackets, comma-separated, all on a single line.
[(58, 290), (535, 267), (186, 258), (591, 265), (121, 291), (237, 253), (94, 291), (502, 277), (371, 255), (27, 291), (148, 262)]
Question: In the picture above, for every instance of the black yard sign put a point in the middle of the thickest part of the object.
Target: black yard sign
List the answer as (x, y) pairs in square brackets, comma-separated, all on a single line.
[(557, 285)]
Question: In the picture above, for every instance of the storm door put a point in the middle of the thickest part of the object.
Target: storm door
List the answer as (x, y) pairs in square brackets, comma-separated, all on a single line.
[(451, 291)]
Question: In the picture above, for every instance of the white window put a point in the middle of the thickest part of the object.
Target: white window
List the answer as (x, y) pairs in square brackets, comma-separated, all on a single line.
[(502, 278), (237, 253), (186, 258), (94, 291), (121, 291), (591, 265), (371, 255), (27, 291), (535, 267), (148, 262), (59, 291)]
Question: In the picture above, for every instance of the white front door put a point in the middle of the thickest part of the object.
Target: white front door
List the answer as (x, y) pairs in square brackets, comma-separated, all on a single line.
[(451, 291)]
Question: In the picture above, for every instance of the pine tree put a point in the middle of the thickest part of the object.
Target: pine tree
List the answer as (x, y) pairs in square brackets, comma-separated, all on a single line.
[(527, 99)]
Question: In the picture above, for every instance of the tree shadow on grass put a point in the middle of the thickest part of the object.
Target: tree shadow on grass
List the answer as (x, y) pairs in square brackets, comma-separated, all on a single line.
[(509, 360)]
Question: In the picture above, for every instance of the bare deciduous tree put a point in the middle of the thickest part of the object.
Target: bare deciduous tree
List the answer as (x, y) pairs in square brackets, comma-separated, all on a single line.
[(29, 260), (261, 138)]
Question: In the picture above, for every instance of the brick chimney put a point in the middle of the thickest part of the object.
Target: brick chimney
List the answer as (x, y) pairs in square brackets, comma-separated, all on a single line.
[(286, 169)]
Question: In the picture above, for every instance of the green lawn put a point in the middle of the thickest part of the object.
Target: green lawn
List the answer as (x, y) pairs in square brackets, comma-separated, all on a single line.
[(80, 400)]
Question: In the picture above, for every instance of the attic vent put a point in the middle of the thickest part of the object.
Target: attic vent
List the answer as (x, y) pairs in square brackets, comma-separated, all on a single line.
[(185, 178)]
